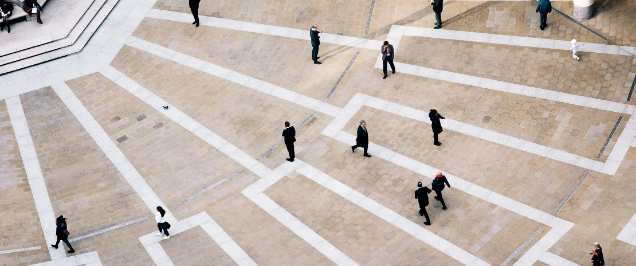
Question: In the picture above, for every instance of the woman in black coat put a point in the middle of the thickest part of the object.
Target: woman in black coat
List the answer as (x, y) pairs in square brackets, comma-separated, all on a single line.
[(436, 125), (34, 4), (597, 255), (7, 10), (62, 233)]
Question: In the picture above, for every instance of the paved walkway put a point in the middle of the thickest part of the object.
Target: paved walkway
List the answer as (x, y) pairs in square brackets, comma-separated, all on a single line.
[(537, 147)]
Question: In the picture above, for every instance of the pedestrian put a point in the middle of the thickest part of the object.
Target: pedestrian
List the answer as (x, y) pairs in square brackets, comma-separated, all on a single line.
[(314, 34), (438, 186), (387, 56), (6, 9), (161, 222), (62, 233), (436, 125), (597, 255), (362, 140), (421, 194), (574, 48), (194, 7), (438, 6), (544, 7), (289, 135)]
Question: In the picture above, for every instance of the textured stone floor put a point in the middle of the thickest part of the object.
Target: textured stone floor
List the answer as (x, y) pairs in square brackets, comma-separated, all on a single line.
[(532, 146)]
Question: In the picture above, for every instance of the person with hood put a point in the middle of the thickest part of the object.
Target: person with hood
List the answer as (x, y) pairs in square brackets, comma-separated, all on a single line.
[(62, 233), (438, 186), (544, 7), (436, 125)]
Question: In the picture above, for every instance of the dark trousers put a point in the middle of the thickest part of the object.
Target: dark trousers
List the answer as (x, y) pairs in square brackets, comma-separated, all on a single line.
[(544, 18), (365, 148), (162, 226), (439, 197), (390, 61), (68, 244), (435, 138), (290, 149), (195, 13), (314, 52), (423, 212), (5, 22), (438, 17)]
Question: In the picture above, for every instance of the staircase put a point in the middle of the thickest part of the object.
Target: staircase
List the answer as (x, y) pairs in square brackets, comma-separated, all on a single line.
[(84, 19)]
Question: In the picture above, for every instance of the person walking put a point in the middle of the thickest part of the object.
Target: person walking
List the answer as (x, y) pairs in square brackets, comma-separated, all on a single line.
[(387, 57), (314, 34), (544, 7), (161, 222), (574, 48), (6, 9), (289, 135), (438, 6), (362, 140), (62, 233), (438, 186), (436, 125), (194, 8), (421, 194), (597, 255)]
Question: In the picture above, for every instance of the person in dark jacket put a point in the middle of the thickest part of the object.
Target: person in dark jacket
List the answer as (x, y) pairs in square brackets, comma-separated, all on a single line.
[(387, 57), (438, 186), (438, 6), (421, 194), (436, 125), (289, 135), (7, 11), (597, 255), (30, 4), (362, 140), (62, 233), (194, 7), (314, 34), (544, 7)]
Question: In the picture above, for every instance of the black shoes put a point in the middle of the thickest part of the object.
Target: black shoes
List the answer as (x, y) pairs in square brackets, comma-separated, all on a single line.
[(195, 23), (438, 144), (437, 27), (427, 223), (393, 71), (165, 107), (444, 208), (317, 63), (289, 160), (367, 155), (541, 28), (55, 246), (318, 57), (71, 251), (353, 148), (384, 77)]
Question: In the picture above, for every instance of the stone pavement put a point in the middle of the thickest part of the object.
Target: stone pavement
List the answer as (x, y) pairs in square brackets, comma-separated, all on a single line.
[(537, 146)]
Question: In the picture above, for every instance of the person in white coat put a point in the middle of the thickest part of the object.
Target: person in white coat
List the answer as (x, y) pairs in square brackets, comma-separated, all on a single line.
[(161, 222), (574, 48)]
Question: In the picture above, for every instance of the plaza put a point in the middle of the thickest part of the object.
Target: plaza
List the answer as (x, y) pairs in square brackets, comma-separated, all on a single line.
[(144, 109)]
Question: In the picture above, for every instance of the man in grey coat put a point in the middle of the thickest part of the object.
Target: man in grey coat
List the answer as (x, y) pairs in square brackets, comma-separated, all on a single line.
[(544, 7)]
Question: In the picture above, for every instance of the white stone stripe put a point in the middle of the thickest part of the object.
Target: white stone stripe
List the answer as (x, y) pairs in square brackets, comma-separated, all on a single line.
[(555, 260), (264, 29), (233, 76), (628, 234), (388, 215), (516, 40), (111, 150), (87, 259), (34, 174), (513, 88), (19, 250)]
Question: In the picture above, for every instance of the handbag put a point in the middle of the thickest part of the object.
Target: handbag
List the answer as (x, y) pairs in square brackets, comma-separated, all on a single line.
[(66, 233), (167, 225), (27, 9)]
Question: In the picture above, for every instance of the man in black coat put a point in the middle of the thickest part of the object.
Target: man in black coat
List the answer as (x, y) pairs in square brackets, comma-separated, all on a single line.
[(362, 140), (289, 135), (194, 7), (438, 6), (544, 7), (62, 233), (387, 57), (314, 34), (421, 194), (436, 125)]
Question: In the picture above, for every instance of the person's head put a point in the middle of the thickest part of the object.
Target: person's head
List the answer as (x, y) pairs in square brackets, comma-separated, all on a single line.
[(597, 245), (286, 124), (315, 26), (419, 183), (161, 211), (439, 175), (573, 41), (386, 43), (363, 123), (60, 219)]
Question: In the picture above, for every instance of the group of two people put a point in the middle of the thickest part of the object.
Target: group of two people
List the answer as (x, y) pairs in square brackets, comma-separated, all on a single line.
[(6, 10)]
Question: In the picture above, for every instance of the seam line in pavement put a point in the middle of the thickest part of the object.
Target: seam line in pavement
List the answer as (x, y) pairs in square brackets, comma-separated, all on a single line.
[(366, 31), (618, 122), (335, 86), (207, 189), (580, 24), (110, 228), (19, 250)]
